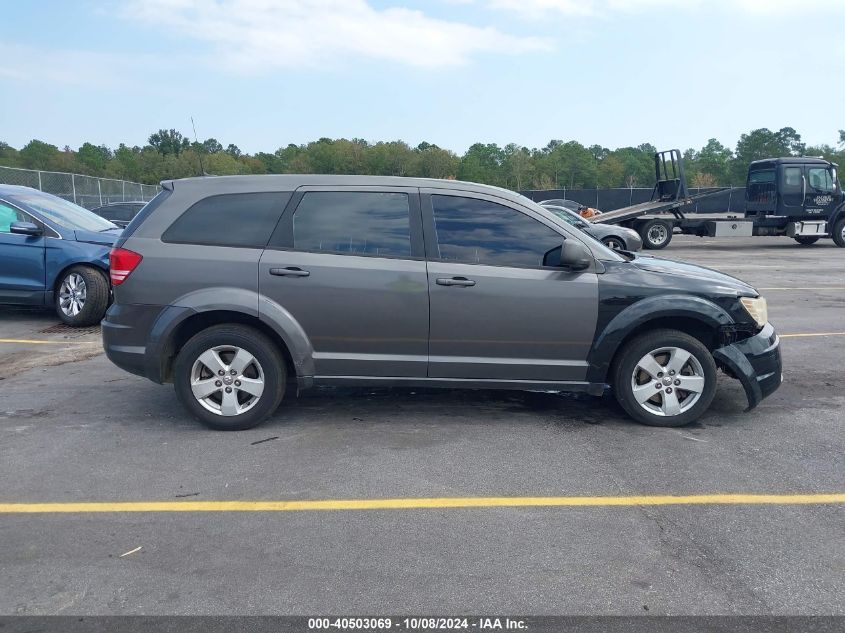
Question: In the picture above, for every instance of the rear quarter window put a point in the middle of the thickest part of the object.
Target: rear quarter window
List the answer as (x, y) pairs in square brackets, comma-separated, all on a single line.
[(244, 220)]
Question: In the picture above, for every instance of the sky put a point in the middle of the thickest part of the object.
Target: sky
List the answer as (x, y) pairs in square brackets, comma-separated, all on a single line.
[(265, 73)]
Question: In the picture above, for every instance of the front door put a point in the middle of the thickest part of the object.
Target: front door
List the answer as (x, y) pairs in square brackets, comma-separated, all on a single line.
[(822, 195), (22, 268), (348, 264), (497, 312)]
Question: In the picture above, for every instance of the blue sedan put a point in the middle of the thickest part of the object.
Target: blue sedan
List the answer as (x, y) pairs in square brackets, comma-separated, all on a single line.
[(53, 252)]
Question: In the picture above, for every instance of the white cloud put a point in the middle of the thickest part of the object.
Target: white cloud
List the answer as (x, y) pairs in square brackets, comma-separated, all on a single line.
[(258, 35), (775, 8), (92, 70)]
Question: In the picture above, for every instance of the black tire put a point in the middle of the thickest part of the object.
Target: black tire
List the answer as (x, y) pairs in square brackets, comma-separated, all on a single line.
[(839, 233), (627, 361), (82, 296), (270, 367), (806, 240), (615, 243), (656, 234)]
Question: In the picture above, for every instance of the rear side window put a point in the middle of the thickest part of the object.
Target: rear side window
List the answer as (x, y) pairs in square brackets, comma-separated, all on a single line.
[(353, 223), (763, 176), (243, 220), (145, 212), (792, 179), (761, 187), (472, 231)]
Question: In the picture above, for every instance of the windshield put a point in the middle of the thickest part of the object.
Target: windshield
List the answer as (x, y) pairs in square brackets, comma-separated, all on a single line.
[(600, 250), (566, 215), (64, 213)]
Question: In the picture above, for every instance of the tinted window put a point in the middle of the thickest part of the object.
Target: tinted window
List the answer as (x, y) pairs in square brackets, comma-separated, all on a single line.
[(238, 219), (767, 175), (474, 231), (820, 179), (353, 223), (792, 179)]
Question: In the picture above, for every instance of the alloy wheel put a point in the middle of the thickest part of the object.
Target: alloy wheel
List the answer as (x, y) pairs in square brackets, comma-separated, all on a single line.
[(227, 380), (668, 381), (72, 295)]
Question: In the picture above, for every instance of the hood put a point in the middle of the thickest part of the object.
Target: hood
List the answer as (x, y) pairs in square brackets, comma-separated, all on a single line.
[(724, 282), (106, 238)]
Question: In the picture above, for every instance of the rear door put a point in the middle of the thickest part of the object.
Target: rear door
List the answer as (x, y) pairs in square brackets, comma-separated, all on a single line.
[(793, 189), (348, 264), (497, 312), (22, 268)]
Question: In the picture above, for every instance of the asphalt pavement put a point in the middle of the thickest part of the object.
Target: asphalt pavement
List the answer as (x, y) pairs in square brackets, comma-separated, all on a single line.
[(73, 428)]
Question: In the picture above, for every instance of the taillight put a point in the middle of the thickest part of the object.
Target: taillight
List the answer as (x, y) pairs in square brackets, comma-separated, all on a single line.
[(121, 264)]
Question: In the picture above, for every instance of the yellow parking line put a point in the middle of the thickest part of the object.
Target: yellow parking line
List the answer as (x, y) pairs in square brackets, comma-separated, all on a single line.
[(420, 503), (811, 334), (23, 341)]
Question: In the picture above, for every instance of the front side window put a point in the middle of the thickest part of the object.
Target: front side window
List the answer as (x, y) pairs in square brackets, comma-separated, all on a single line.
[(472, 231), (241, 220), (821, 179), (353, 223), (10, 215)]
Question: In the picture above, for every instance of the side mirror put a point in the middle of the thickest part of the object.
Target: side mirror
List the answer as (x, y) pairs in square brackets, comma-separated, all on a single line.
[(575, 256), (582, 225), (25, 228)]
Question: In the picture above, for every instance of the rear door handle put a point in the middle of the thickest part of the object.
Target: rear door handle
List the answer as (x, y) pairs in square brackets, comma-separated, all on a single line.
[(455, 281), (290, 271)]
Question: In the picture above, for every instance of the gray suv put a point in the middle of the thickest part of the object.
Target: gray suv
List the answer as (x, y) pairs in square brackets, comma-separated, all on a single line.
[(237, 289)]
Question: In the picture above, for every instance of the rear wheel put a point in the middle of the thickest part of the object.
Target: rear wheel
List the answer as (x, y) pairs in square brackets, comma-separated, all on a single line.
[(614, 243), (839, 233), (806, 240), (230, 377), (656, 234), (664, 378), (82, 296)]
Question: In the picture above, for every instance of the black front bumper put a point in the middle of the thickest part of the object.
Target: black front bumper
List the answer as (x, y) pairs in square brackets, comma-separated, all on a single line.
[(755, 362)]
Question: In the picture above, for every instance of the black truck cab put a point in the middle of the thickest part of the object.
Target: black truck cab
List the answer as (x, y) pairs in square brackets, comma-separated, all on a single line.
[(800, 195)]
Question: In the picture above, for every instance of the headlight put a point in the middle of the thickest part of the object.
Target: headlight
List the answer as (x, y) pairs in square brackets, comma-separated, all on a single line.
[(757, 309)]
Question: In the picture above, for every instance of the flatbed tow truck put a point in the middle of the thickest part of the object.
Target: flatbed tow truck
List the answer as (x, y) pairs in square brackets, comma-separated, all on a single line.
[(795, 197)]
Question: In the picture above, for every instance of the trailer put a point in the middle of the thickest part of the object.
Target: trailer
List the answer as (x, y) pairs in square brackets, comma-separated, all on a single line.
[(795, 197)]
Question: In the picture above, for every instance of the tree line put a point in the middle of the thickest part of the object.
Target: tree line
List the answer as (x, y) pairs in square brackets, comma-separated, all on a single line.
[(169, 154)]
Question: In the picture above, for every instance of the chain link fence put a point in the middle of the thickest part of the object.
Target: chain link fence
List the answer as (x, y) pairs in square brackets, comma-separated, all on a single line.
[(86, 191)]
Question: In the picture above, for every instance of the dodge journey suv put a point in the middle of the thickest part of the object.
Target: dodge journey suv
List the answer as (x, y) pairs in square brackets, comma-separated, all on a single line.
[(237, 289)]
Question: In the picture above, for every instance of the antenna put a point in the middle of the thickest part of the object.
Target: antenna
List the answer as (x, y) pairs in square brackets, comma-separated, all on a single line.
[(199, 150)]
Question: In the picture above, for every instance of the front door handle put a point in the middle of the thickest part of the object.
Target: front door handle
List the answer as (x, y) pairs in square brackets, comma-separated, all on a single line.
[(455, 281), (290, 271)]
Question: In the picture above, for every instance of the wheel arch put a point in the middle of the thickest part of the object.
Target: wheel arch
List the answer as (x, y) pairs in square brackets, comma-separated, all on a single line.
[(178, 323), (87, 263), (695, 316), (838, 214)]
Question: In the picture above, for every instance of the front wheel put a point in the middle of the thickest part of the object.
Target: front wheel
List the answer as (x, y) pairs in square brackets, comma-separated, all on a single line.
[(806, 240), (614, 243), (656, 234), (82, 296), (664, 378), (839, 233), (230, 377)]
